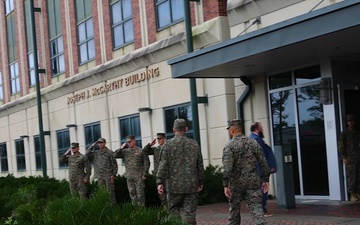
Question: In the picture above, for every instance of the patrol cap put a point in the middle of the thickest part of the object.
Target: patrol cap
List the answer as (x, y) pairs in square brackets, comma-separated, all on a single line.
[(234, 122), (101, 140), (74, 145), (180, 124), (350, 117), (160, 134)]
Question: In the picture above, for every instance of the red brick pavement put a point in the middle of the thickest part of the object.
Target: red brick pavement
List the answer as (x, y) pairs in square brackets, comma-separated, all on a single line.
[(309, 213)]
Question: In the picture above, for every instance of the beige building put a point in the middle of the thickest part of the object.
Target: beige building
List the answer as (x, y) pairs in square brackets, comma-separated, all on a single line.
[(119, 67)]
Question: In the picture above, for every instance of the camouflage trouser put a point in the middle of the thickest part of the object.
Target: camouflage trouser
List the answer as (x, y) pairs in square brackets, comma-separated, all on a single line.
[(188, 201), (353, 177), (78, 187), (110, 187), (136, 187), (253, 198)]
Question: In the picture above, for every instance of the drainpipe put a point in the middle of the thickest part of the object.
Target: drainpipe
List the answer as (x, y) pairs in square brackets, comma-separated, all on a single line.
[(243, 97)]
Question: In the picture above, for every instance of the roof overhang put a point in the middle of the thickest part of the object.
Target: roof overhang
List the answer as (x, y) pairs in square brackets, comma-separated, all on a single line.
[(332, 32)]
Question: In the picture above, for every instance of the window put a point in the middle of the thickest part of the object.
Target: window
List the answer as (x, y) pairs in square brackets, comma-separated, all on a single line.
[(175, 112), (63, 144), (14, 78), (29, 43), (4, 159), (122, 23), (9, 6), (56, 40), (92, 134), (12, 50), (37, 152), (85, 30), (20, 155), (130, 126), (1, 87), (169, 12)]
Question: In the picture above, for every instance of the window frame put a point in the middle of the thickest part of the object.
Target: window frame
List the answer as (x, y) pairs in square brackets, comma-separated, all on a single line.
[(131, 130), (37, 152), (86, 21), (172, 21), (121, 23), (4, 158), (14, 78), (169, 124), (94, 135), (20, 155), (61, 136)]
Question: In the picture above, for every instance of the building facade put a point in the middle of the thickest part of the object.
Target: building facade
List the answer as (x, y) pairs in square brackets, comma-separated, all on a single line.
[(120, 67)]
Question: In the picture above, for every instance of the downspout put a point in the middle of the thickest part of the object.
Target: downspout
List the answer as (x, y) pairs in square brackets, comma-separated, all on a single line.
[(243, 97)]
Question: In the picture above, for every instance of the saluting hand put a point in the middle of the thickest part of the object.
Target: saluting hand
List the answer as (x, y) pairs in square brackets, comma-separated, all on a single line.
[(123, 145), (153, 142), (68, 152), (160, 189)]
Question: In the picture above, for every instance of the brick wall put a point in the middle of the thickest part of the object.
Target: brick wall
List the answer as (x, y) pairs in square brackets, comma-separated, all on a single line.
[(107, 29), (151, 21), (135, 7), (214, 8)]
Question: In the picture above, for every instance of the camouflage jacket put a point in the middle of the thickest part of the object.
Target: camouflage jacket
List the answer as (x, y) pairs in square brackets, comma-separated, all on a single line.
[(349, 145), (137, 162), (181, 165), (79, 166), (156, 151), (105, 165), (239, 159)]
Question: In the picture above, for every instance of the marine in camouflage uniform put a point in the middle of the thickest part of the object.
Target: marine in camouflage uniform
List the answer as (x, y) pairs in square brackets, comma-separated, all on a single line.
[(181, 165), (79, 170), (105, 166), (156, 151), (349, 148), (137, 165), (240, 176)]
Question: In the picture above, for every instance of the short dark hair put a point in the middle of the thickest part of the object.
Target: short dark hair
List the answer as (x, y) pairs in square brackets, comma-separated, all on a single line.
[(254, 126), (131, 137)]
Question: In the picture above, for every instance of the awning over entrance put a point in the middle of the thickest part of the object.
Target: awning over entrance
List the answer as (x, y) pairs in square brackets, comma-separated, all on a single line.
[(332, 32)]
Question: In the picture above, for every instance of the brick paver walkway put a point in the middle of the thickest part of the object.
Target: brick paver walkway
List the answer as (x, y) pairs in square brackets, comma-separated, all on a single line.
[(324, 212)]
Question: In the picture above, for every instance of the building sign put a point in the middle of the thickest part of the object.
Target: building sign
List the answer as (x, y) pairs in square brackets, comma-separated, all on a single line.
[(114, 85)]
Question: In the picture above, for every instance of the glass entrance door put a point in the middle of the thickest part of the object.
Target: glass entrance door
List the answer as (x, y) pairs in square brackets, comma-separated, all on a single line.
[(298, 120)]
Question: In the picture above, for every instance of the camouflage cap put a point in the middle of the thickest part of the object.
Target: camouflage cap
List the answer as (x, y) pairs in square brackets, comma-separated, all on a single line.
[(160, 134), (101, 140), (180, 124), (350, 117), (234, 122), (74, 145)]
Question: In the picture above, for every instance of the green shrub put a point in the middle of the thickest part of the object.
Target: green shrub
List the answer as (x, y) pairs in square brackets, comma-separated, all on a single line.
[(98, 210), (213, 191)]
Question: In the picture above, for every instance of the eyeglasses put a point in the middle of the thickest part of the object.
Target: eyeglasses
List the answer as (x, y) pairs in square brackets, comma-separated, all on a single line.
[(159, 138), (73, 147), (129, 141)]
